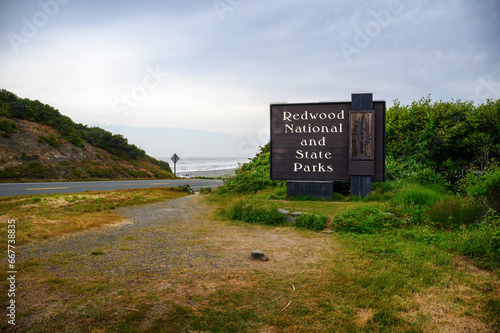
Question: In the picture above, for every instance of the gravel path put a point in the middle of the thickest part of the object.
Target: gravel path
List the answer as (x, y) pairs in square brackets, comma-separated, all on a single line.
[(154, 238)]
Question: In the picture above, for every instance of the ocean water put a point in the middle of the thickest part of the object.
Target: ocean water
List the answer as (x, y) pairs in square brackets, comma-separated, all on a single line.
[(205, 163)]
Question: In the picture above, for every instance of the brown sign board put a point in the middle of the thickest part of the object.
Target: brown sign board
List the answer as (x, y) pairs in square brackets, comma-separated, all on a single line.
[(327, 141)]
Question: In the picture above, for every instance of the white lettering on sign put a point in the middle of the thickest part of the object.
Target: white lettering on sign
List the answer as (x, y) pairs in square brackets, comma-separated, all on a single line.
[(312, 168), (300, 154), (316, 157), (305, 129), (306, 115)]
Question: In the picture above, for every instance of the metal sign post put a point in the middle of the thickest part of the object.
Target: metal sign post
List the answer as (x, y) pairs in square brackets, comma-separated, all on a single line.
[(175, 159)]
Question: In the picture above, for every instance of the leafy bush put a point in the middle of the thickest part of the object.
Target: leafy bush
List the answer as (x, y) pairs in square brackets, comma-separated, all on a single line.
[(485, 188), (452, 211), (483, 241), (7, 128), (35, 169), (184, 188), (311, 222), (278, 194), (383, 191), (242, 211), (205, 190), (116, 144), (365, 220), (447, 137), (408, 168), (251, 177), (50, 140), (75, 140)]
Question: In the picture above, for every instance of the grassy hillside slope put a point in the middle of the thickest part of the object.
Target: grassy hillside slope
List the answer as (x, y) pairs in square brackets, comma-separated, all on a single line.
[(38, 143)]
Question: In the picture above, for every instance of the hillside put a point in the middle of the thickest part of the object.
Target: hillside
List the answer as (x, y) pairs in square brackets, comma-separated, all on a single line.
[(38, 143)]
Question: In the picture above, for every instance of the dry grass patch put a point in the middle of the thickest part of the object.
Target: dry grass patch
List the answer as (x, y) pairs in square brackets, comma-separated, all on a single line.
[(451, 310), (41, 217), (313, 282), (363, 316)]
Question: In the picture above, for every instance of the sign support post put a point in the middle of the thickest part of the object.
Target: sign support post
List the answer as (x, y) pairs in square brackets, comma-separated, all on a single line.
[(362, 163), (175, 159)]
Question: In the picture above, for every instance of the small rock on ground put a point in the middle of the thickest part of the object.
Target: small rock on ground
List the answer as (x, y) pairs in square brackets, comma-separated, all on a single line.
[(258, 255)]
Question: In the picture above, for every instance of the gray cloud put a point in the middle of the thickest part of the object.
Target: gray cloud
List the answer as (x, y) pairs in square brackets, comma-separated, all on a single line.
[(227, 60)]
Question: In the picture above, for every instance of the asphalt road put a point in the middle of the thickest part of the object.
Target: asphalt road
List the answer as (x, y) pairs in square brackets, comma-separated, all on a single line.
[(8, 189)]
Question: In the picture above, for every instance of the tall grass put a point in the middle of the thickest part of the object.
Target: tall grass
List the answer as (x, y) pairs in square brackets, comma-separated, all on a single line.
[(482, 241), (311, 222), (416, 194), (452, 212), (365, 220), (246, 212)]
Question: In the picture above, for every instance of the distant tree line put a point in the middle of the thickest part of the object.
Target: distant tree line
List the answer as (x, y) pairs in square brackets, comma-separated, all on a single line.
[(22, 108)]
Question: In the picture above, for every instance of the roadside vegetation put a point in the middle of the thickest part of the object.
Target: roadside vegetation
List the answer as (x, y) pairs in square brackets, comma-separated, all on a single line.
[(437, 213), (47, 216)]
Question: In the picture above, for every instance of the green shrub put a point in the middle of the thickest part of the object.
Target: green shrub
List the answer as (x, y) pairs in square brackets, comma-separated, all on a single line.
[(365, 220), (50, 140), (205, 190), (252, 176), (485, 188), (452, 211), (408, 169), (337, 197), (35, 169), (400, 168), (449, 138), (382, 191), (242, 211), (311, 222), (483, 241), (7, 128), (75, 140), (279, 193), (184, 188)]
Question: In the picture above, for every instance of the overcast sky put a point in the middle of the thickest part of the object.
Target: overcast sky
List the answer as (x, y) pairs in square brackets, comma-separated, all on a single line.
[(196, 77)]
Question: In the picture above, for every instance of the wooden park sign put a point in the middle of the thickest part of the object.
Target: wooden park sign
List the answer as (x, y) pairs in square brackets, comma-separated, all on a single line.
[(316, 144)]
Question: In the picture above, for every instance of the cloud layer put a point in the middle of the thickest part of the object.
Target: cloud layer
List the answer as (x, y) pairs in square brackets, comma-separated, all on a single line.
[(217, 65)]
